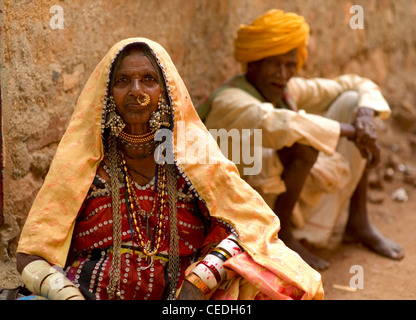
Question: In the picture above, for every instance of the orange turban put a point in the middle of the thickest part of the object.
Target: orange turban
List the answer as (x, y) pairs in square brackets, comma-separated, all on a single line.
[(273, 33)]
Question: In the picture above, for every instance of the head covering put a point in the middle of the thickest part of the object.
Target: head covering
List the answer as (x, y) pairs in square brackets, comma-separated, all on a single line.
[(273, 33), (50, 223)]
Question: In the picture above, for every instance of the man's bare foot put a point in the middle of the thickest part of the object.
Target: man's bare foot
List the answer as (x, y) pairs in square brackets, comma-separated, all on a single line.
[(313, 260), (360, 229), (370, 237)]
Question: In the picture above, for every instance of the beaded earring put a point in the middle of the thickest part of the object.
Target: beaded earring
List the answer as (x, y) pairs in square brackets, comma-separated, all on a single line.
[(113, 120), (161, 117)]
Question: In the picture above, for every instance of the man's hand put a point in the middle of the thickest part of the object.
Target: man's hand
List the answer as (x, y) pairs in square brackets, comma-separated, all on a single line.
[(366, 136), (190, 292)]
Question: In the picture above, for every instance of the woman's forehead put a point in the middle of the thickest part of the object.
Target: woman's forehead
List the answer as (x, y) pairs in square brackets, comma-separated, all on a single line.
[(135, 61)]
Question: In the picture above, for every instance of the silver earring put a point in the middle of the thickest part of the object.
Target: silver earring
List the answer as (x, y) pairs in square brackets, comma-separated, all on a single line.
[(113, 120), (161, 117)]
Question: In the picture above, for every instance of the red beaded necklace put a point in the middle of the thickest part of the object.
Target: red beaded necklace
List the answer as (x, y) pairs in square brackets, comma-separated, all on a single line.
[(137, 213)]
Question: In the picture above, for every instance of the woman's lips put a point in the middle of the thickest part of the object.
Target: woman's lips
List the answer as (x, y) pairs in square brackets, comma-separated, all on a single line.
[(134, 106)]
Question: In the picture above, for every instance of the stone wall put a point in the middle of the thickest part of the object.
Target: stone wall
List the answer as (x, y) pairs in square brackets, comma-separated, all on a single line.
[(43, 69)]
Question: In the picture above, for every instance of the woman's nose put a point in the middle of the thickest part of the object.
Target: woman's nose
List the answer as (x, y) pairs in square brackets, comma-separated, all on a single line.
[(136, 87)]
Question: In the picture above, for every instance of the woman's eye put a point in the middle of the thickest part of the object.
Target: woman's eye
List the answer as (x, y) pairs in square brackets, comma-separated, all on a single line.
[(121, 80), (149, 79)]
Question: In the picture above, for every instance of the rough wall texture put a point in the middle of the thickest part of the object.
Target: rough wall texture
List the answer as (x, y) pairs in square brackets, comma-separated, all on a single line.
[(43, 69)]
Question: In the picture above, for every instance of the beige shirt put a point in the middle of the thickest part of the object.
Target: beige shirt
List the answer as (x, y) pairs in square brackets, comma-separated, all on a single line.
[(234, 108)]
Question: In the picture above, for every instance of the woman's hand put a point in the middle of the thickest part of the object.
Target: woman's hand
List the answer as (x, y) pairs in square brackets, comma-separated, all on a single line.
[(190, 292)]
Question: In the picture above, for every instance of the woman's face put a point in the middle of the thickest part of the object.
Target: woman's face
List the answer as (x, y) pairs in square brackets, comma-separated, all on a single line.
[(135, 77)]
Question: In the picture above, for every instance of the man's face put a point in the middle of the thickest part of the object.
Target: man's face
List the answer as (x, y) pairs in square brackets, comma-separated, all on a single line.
[(270, 75)]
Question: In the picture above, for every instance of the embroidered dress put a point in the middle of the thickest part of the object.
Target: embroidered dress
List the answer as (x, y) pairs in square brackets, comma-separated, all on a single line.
[(141, 277)]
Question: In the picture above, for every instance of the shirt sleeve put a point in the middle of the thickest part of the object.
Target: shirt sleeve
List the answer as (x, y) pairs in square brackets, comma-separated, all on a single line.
[(316, 95), (234, 108)]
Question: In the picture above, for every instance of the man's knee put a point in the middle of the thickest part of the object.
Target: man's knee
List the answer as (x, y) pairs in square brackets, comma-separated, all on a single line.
[(307, 155), (349, 98), (342, 109)]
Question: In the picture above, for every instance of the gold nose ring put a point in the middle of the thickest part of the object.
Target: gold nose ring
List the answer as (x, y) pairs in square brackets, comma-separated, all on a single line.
[(143, 99)]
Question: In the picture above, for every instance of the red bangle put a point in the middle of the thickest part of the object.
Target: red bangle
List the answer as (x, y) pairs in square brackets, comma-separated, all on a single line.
[(213, 270)]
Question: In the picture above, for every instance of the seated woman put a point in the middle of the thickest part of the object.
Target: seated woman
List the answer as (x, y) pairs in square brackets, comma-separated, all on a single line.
[(128, 222)]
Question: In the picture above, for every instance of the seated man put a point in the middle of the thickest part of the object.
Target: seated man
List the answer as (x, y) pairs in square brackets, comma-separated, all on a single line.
[(318, 136)]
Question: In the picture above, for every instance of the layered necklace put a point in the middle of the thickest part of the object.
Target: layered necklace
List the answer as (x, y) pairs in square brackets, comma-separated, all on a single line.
[(140, 217), (139, 138), (138, 142), (150, 244), (165, 183)]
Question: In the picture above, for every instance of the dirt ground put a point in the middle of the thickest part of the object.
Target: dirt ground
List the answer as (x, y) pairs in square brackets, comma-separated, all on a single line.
[(383, 279)]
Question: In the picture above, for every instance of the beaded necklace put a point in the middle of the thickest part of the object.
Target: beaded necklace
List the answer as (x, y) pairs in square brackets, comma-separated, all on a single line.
[(137, 142), (137, 138), (139, 214)]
